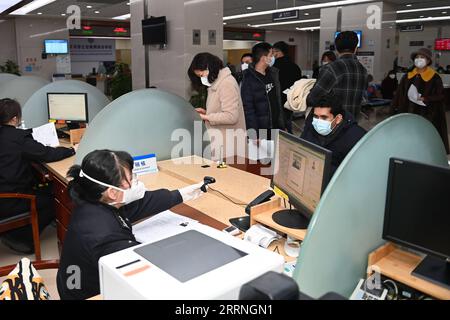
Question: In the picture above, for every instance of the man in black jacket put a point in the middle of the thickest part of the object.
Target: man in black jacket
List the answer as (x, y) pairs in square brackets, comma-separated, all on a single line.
[(289, 73), (331, 127), (261, 93), (17, 150)]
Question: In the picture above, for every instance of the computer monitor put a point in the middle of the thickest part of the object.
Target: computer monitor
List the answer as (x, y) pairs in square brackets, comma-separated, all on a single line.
[(52, 46), (358, 33), (417, 215), (70, 107), (301, 171)]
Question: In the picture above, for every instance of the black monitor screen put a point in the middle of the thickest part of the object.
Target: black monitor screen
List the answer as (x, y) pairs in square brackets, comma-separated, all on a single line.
[(154, 30), (417, 211)]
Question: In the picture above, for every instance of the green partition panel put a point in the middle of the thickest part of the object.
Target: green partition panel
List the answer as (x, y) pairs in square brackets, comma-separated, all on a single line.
[(7, 77), (22, 88), (142, 122), (348, 221), (35, 112)]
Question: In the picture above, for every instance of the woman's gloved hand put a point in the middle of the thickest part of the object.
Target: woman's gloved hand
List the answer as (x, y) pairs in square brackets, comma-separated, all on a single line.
[(191, 192)]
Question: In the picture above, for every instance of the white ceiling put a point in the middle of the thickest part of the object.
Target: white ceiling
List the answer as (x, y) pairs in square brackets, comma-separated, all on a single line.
[(112, 8)]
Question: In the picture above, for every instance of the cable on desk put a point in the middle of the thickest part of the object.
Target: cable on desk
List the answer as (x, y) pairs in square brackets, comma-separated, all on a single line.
[(236, 203)]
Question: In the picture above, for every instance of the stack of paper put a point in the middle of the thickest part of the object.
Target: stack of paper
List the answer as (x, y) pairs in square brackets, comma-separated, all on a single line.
[(46, 135), (261, 235), (262, 151), (161, 226), (414, 96)]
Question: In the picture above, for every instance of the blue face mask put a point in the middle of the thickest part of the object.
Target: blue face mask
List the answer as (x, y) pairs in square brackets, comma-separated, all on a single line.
[(323, 127), (272, 61)]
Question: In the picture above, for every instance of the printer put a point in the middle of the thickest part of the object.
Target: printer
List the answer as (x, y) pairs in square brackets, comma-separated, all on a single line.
[(200, 263)]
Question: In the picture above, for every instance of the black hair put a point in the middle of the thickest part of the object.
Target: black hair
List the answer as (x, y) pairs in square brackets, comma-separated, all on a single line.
[(330, 55), (245, 55), (204, 61), (282, 46), (346, 41), (259, 50), (103, 165), (369, 78), (333, 102), (9, 108)]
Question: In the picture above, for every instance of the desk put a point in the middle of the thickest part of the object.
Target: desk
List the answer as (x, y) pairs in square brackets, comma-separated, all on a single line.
[(211, 209), (397, 264)]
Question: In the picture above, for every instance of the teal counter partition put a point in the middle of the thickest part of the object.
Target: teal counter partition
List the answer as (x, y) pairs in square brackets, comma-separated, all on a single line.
[(143, 122), (22, 88), (348, 221), (35, 112), (7, 77)]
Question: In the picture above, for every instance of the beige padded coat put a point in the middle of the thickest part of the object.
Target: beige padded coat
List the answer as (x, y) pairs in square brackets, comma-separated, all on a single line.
[(225, 116)]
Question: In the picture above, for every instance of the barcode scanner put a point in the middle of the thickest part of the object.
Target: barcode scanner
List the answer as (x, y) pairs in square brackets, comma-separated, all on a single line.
[(207, 180)]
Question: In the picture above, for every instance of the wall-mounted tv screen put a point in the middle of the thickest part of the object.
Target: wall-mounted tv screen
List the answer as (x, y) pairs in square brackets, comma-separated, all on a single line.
[(154, 30), (56, 46), (358, 33), (442, 44)]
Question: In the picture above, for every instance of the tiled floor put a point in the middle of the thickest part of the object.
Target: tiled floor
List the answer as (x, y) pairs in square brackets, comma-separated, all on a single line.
[(49, 240)]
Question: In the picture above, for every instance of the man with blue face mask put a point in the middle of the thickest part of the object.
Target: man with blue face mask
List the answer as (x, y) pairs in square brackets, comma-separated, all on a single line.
[(261, 92), (332, 128)]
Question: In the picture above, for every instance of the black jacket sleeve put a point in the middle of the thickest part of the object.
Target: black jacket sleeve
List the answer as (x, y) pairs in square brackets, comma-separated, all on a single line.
[(249, 103), (36, 151), (153, 202)]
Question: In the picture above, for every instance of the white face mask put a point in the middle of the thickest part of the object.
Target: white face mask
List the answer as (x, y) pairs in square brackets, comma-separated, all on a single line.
[(272, 61), (205, 81), (420, 63), (136, 192), (392, 76), (244, 66), (324, 63)]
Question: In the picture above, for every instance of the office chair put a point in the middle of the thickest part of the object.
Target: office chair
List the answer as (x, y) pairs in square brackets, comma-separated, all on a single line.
[(23, 219)]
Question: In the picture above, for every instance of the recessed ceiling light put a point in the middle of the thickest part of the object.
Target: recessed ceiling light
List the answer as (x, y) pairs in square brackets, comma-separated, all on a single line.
[(39, 13), (128, 3), (249, 25), (421, 16), (409, 5), (96, 11), (224, 23), (89, 7), (306, 14), (63, 14), (249, 8), (444, 12)]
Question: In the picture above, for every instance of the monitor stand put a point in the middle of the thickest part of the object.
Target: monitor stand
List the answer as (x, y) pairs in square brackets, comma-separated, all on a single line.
[(73, 125), (434, 270), (291, 218), (242, 223)]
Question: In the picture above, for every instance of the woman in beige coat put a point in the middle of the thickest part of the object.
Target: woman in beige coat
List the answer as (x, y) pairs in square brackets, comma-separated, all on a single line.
[(224, 114)]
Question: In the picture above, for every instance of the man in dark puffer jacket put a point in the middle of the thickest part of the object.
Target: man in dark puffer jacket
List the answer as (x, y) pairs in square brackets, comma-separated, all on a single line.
[(332, 128), (261, 91)]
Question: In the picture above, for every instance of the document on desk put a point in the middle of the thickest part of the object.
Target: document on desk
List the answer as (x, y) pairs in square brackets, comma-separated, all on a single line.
[(161, 226), (46, 134)]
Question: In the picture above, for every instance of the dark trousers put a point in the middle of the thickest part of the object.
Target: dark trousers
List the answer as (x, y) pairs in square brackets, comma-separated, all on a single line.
[(288, 119), (45, 208)]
